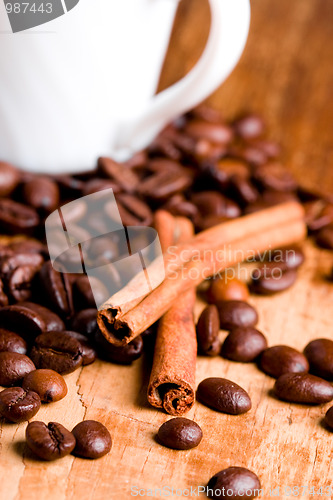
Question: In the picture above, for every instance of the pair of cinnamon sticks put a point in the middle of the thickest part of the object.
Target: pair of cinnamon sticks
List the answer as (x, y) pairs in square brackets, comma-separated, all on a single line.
[(122, 317)]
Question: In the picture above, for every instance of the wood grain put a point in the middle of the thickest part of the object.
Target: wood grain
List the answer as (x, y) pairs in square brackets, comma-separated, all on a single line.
[(287, 74)]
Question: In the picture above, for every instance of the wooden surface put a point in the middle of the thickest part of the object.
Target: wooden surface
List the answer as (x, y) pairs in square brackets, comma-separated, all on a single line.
[(286, 73)]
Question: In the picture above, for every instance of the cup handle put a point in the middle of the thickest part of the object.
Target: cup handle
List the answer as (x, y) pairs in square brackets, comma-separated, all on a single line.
[(230, 22)]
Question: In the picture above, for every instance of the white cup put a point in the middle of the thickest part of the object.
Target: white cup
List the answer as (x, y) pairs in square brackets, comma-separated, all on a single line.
[(83, 84)]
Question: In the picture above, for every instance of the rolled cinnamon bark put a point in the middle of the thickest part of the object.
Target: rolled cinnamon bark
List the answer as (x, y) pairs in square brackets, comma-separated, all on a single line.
[(122, 302), (172, 380)]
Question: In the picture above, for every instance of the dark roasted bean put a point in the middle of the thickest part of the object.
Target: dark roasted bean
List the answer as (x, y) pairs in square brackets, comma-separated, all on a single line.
[(42, 194), (236, 313), (180, 434), (133, 211), (236, 483), (9, 178), (11, 342), (120, 355), (70, 187), (233, 167), (280, 359), (244, 344), (103, 249), (249, 126), (56, 288), (20, 283), (324, 238), (16, 218), (125, 177), (177, 205), (214, 203), (51, 321), (292, 257), (88, 352), (207, 331), (57, 351), (217, 133), (203, 223), (82, 293), (18, 405), (48, 384), (243, 190), (23, 320), (275, 176), (319, 353), (13, 367), (318, 214), (85, 322), (303, 388), (161, 186), (9, 264), (3, 296), (95, 185), (267, 281), (50, 441), (223, 395), (93, 440), (227, 288), (329, 418)]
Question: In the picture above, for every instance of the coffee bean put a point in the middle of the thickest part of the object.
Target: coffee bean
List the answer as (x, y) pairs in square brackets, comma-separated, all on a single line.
[(161, 186), (227, 288), (214, 203), (125, 177), (217, 133), (11, 342), (103, 249), (244, 344), (177, 205), (236, 483), (290, 257), (329, 418), (224, 396), (249, 126), (235, 313), (267, 280), (95, 185), (280, 359), (70, 187), (319, 353), (51, 441), (51, 321), (93, 440), (243, 190), (180, 434), (253, 155), (16, 218), (303, 388), (276, 177), (29, 246), (85, 322), (206, 113), (121, 355), (133, 211), (42, 194), (318, 214), (48, 384), (3, 297), (20, 283), (22, 320), (56, 288), (57, 351), (9, 264), (88, 352), (324, 238), (203, 223), (18, 405), (234, 167), (9, 178), (13, 367), (207, 331)]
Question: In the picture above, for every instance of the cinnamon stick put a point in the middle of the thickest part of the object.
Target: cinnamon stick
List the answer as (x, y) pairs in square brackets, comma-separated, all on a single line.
[(172, 380), (122, 302)]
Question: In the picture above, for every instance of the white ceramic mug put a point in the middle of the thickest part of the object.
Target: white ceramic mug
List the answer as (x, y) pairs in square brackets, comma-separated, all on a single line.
[(83, 84)]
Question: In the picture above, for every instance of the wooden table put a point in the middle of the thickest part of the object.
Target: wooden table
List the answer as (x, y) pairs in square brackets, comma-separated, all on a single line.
[(286, 73)]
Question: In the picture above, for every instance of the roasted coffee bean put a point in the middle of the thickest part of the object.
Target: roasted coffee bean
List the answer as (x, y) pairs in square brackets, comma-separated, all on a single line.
[(319, 353), (203, 223), (85, 322), (217, 133), (249, 126), (16, 218), (125, 177), (280, 359), (11, 342), (50, 320), (133, 211), (235, 313), (42, 194), (290, 257), (9, 178), (18, 405), (56, 288), (103, 249), (161, 186), (224, 396), (83, 296), (318, 214), (57, 351), (70, 187), (243, 190), (329, 418), (3, 296), (303, 388), (234, 167), (95, 185), (9, 264), (253, 155), (227, 288), (177, 205), (48, 384), (20, 283), (121, 355), (23, 320), (180, 434), (244, 344), (236, 483), (13, 367), (29, 246), (93, 440), (276, 281), (88, 352), (275, 176), (207, 331), (50, 441), (324, 238), (214, 203)]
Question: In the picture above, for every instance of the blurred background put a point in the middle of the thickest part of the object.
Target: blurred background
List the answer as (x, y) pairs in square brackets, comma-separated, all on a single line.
[(285, 73)]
